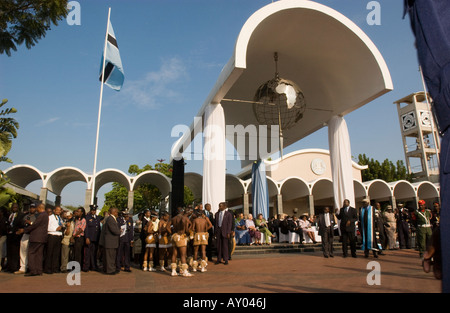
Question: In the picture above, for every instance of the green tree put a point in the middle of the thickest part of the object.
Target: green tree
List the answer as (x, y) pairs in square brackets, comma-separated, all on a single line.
[(188, 196), (27, 21), (8, 131), (387, 170), (146, 195)]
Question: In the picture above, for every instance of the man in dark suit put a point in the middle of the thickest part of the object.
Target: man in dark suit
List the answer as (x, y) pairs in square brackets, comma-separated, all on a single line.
[(223, 228), (274, 226), (91, 236), (210, 216), (326, 231), (38, 237), (109, 240), (13, 238), (125, 241), (348, 216)]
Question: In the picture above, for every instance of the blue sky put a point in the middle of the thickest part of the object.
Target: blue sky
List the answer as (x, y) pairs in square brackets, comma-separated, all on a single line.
[(172, 52)]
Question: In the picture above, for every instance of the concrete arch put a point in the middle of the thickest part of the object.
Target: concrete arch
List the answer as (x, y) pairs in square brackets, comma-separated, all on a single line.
[(59, 178), (234, 187), (111, 175), (161, 181), (322, 188), (333, 61), (403, 189), (251, 25), (22, 175), (194, 182), (273, 186), (426, 190), (378, 189), (294, 187), (360, 190)]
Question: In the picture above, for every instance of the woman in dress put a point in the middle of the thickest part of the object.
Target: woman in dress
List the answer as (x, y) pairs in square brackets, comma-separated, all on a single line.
[(306, 228), (262, 226), (254, 232), (389, 216), (242, 235)]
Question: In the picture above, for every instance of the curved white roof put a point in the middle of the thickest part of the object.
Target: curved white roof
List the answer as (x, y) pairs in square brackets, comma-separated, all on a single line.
[(336, 65)]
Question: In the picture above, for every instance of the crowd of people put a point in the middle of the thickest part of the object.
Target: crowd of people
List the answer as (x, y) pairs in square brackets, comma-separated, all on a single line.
[(44, 240), (392, 229), (41, 240), (251, 231)]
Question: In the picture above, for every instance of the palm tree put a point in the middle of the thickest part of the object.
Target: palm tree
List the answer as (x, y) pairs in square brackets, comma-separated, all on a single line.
[(8, 131)]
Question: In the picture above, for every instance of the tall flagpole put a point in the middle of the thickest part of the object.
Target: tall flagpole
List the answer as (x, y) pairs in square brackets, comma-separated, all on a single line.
[(99, 110)]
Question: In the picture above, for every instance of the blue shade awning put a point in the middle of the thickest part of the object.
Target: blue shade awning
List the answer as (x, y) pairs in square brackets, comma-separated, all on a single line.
[(260, 190)]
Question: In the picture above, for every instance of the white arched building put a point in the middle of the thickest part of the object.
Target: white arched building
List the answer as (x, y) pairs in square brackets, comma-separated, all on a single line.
[(55, 181), (334, 63), (301, 179)]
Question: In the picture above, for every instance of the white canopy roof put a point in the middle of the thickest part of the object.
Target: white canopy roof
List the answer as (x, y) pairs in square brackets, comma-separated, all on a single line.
[(331, 59)]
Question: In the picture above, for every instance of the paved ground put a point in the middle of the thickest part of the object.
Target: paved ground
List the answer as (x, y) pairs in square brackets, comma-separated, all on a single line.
[(400, 272)]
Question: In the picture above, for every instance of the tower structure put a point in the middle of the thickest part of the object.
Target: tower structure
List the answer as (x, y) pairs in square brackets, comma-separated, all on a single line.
[(421, 142)]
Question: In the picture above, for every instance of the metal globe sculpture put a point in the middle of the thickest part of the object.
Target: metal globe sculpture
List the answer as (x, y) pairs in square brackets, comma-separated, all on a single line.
[(279, 102)]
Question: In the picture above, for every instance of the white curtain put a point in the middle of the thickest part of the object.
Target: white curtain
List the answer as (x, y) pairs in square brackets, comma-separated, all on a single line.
[(341, 161), (214, 161)]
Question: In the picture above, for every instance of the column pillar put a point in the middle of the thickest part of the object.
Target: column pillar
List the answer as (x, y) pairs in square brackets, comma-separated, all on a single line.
[(43, 195), (279, 203), (393, 202), (130, 200), (177, 193), (311, 205), (214, 159), (416, 203), (87, 199), (341, 161), (246, 203), (58, 201)]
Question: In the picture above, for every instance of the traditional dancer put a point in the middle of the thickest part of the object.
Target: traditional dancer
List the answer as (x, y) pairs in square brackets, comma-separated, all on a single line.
[(181, 226), (151, 241), (200, 226), (165, 243)]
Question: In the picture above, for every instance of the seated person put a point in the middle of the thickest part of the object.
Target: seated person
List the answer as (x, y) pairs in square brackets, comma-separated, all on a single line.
[(274, 223), (242, 235), (296, 228), (254, 232), (283, 228), (263, 228), (307, 229)]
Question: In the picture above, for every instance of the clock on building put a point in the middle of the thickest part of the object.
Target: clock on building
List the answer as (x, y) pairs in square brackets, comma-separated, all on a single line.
[(318, 166)]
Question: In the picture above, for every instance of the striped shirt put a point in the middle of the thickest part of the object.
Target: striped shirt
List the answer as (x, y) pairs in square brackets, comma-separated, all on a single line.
[(80, 224)]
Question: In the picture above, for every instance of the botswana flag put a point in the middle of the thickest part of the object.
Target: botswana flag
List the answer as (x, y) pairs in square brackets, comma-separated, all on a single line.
[(113, 76)]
